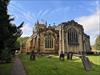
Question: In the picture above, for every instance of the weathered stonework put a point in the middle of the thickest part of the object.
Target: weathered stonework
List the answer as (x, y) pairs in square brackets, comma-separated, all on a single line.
[(60, 40)]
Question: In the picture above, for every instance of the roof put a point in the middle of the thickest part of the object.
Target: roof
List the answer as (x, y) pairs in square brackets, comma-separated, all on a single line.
[(86, 35), (72, 22)]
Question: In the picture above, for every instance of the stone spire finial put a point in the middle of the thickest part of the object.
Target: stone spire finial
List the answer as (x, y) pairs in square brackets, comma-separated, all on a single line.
[(49, 24), (54, 23), (37, 21), (46, 23)]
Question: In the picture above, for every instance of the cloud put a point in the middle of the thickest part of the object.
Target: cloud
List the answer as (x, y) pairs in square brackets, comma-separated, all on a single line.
[(42, 13), (91, 24), (39, 13), (58, 10), (19, 12), (26, 15), (45, 12), (27, 30), (29, 16)]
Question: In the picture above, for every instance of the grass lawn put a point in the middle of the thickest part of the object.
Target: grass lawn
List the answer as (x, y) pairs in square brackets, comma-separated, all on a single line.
[(5, 69), (52, 66)]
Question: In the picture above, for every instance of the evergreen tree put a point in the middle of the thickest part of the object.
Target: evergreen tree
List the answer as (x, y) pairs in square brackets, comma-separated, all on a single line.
[(8, 32), (97, 43)]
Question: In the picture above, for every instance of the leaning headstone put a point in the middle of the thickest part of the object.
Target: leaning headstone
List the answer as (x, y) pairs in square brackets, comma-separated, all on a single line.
[(49, 56), (86, 63)]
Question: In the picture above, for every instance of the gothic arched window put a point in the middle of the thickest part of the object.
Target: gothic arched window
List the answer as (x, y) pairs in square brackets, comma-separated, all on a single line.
[(48, 41), (72, 37)]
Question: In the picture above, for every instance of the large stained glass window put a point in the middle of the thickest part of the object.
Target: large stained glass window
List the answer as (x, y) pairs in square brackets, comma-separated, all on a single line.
[(48, 41), (72, 37)]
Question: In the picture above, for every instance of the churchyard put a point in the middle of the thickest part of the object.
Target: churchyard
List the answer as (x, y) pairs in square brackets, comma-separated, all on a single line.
[(5, 69), (23, 56), (44, 65), (51, 65)]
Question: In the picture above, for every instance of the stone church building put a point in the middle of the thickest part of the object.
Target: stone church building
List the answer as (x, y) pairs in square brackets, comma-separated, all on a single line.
[(67, 37)]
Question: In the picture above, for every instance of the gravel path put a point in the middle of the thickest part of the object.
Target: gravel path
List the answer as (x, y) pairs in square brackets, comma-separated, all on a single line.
[(18, 68)]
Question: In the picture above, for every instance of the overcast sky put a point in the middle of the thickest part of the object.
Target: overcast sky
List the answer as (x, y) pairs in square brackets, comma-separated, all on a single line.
[(86, 13)]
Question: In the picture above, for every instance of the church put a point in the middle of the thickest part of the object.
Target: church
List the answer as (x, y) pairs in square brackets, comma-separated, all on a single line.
[(66, 36)]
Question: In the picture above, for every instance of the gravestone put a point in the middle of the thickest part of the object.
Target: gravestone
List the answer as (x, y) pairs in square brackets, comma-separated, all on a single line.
[(69, 55), (62, 56), (32, 55), (86, 63), (49, 56)]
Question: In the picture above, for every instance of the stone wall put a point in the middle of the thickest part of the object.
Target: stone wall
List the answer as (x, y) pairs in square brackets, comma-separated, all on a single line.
[(60, 39)]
